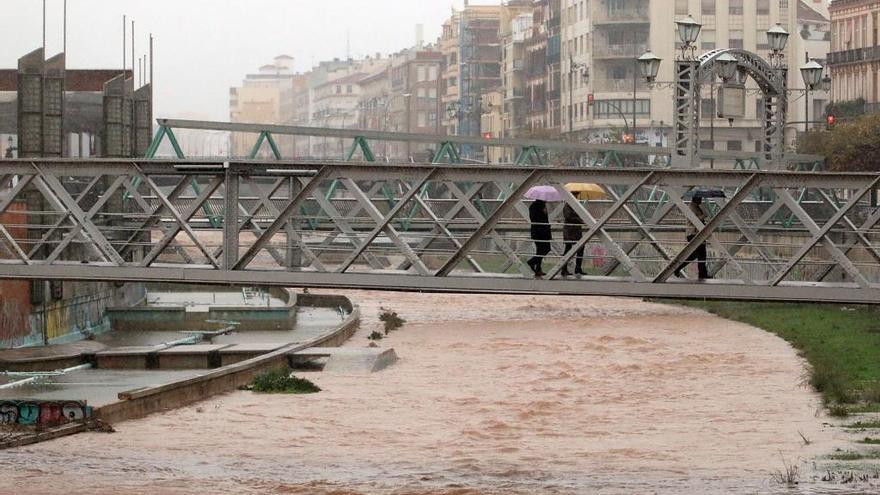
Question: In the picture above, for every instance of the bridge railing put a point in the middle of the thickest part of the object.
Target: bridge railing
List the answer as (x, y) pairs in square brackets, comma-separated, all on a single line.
[(442, 227)]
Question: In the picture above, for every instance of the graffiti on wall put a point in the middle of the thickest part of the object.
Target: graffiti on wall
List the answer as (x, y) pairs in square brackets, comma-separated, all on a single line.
[(43, 413)]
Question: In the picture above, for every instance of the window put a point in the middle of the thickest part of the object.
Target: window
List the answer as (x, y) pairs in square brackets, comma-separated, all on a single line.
[(422, 119), (615, 108), (708, 7), (734, 146), (763, 7), (432, 73), (707, 145), (421, 74), (338, 89), (707, 108), (422, 93), (349, 89), (762, 42), (736, 39), (736, 7), (681, 7), (707, 40)]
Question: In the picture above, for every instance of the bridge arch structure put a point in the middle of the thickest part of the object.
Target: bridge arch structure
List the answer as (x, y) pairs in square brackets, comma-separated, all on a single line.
[(692, 74)]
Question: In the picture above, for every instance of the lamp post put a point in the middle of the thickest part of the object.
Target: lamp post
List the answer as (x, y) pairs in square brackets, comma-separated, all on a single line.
[(812, 75), (585, 76), (687, 85)]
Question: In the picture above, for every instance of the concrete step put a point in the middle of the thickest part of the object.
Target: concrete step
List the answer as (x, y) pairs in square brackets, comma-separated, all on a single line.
[(350, 360)]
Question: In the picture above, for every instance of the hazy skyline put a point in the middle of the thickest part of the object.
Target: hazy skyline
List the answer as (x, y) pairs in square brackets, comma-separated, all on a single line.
[(203, 47)]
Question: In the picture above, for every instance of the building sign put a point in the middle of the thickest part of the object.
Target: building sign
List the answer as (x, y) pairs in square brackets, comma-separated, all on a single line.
[(732, 102)]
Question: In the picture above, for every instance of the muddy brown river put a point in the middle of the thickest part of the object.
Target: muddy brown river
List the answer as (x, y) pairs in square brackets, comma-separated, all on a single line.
[(492, 395)]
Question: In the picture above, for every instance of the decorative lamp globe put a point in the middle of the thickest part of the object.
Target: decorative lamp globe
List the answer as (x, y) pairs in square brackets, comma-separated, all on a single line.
[(649, 64), (812, 74), (725, 66), (777, 38), (826, 83), (688, 30)]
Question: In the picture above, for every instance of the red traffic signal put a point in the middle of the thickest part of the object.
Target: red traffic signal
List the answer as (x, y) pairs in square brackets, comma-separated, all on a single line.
[(629, 138), (487, 135), (831, 120), (591, 99)]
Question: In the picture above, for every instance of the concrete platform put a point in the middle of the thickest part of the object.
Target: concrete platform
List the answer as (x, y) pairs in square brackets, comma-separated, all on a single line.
[(128, 358), (191, 357), (349, 360), (237, 353), (48, 358)]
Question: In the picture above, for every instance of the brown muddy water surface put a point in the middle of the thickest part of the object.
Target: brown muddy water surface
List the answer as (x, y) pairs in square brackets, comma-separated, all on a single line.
[(492, 395)]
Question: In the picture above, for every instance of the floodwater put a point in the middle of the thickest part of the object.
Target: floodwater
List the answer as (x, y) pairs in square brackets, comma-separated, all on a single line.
[(492, 395)]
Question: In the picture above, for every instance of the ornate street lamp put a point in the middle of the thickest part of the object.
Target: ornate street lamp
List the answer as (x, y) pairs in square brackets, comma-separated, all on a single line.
[(812, 74), (826, 83), (777, 38), (649, 65), (725, 66), (688, 30)]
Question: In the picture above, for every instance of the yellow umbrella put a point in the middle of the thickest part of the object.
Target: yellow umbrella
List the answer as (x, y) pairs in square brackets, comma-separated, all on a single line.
[(586, 191)]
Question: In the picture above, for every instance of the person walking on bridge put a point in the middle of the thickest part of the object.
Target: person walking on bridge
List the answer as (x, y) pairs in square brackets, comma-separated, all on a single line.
[(572, 232), (541, 234), (700, 254)]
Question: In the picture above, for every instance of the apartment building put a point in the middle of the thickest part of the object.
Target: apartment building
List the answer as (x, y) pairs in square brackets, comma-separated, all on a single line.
[(471, 49), (603, 91), (262, 99), (855, 54), (530, 38)]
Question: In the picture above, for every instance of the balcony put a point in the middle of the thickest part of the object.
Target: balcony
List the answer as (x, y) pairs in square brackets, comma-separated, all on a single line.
[(619, 85), (856, 55), (619, 51), (622, 17)]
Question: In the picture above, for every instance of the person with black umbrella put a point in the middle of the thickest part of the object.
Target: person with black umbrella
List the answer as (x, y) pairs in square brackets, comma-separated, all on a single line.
[(700, 255)]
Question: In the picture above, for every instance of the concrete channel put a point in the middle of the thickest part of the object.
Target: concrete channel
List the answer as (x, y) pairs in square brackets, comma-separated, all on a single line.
[(182, 345)]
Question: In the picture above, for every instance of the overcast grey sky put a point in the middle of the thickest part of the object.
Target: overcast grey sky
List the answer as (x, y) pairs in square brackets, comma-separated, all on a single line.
[(205, 46)]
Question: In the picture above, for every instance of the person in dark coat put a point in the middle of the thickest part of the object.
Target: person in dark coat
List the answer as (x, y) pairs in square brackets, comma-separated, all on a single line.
[(541, 234), (572, 232), (700, 255)]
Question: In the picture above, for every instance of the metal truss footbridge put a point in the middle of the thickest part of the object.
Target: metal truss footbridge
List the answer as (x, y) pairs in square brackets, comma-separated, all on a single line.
[(774, 235)]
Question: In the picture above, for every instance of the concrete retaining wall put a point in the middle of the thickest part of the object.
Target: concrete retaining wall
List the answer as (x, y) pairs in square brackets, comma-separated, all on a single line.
[(140, 403)]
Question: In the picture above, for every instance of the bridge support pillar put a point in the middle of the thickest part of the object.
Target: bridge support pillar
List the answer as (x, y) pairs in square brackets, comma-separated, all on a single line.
[(294, 253), (231, 227)]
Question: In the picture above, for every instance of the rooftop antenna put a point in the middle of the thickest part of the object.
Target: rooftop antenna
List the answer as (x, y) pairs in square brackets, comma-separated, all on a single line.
[(124, 51), (132, 54), (44, 32), (64, 49)]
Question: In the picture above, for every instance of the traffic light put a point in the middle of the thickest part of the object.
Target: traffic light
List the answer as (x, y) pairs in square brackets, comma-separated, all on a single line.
[(831, 120), (629, 138), (487, 135)]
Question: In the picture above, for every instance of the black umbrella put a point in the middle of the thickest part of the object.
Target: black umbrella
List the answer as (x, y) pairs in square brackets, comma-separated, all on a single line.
[(706, 193)]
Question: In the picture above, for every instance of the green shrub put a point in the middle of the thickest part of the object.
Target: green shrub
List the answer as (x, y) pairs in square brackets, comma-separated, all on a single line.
[(280, 381), (376, 336), (391, 319)]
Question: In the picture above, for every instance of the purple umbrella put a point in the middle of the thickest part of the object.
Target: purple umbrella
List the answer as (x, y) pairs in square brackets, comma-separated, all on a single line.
[(544, 193)]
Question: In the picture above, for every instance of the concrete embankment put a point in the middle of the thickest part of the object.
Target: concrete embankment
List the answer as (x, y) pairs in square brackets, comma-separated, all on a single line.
[(234, 363)]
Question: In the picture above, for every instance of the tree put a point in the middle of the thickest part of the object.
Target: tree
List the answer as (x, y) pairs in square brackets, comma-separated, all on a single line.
[(849, 147), (846, 110)]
